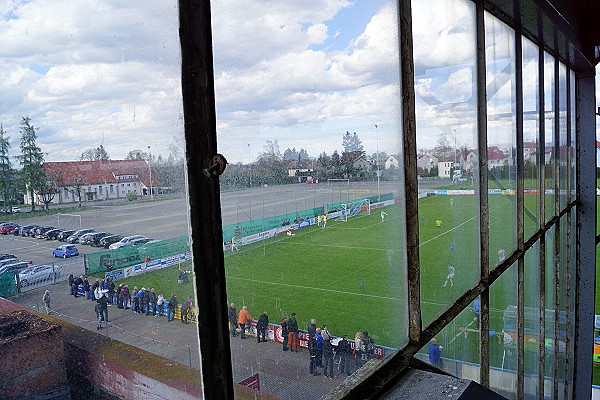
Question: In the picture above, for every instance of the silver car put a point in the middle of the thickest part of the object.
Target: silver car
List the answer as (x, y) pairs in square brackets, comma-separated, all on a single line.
[(37, 274)]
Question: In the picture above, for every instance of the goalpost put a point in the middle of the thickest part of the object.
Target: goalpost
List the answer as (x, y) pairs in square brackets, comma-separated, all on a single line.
[(68, 221), (338, 182), (354, 208)]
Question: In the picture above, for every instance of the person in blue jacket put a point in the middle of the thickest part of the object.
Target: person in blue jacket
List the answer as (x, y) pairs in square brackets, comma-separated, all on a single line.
[(435, 353)]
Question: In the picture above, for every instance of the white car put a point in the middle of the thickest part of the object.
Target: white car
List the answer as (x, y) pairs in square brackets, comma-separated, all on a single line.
[(37, 274), (125, 241)]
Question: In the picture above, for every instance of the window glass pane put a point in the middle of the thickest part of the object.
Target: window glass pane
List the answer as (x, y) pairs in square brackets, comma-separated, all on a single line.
[(445, 85), (573, 135), (459, 346), (531, 321), (504, 326), (549, 156), (572, 296), (531, 145), (308, 107), (501, 152), (550, 357), (562, 146), (562, 293), (99, 83)]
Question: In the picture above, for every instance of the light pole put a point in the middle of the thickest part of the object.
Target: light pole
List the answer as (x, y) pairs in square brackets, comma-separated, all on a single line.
[(377, 162), (150, 170), (249, 168)]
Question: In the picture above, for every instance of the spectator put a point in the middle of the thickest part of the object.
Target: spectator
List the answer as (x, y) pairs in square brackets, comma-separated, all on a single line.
[(125, 296), (328, 356), (312, 329), (172, 308), (110, 285), (151, 303), (292, 325), (138, 300), (146, 301), (160, 304), (232, 316), (98, 315), (182, 277), (344, 350), (312, 351), (86, 287), (71, 281), (185, 310), (103, 301), (77, 282), (244, 319), (368, 345), (435, 353), (319, 342), (284, 333), (46, 301), (261, 327), (132, 301), (358, 349), (147, 259)]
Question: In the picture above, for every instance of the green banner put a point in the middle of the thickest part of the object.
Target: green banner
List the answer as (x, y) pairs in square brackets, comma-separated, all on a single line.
[(106, 260), (255, 226), (8, 284)]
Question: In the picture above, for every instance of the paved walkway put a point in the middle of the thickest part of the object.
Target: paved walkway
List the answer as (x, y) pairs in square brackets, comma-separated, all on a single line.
[(282, 374)]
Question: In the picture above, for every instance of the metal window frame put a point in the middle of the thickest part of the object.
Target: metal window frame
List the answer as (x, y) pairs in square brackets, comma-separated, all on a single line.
[(206, 228)]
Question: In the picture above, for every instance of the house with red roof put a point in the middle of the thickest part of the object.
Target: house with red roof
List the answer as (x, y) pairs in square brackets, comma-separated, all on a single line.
[(97, 180)]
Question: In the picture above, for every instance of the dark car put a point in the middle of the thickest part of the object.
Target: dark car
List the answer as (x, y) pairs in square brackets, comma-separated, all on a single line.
[(108, 240), (75, 237), (137, 242), (33, 231), (62, 237), (24, 230), (52, 234), (40, 232), (95, 238), (8, 228), (6, 257), (15, 266)]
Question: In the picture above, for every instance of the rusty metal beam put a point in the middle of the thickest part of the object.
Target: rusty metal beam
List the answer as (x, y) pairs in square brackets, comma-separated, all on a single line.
[(197, 82), (483, 193)]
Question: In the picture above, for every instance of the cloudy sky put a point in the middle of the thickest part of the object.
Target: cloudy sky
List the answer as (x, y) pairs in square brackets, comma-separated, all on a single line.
[(302, 72)]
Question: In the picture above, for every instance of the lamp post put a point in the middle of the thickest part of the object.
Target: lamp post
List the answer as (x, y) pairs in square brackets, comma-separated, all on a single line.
[(150, 171), (249, 168), (377, 162)]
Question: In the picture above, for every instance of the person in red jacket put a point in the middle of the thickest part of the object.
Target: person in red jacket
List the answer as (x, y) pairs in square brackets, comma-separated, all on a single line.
[(244, 319)]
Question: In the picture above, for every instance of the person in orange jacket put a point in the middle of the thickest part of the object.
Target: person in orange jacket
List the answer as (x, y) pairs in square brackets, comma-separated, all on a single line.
[(244, 319)]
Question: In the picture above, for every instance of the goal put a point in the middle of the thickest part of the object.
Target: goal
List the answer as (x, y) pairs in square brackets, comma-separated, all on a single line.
[(68, 221), (341, 183), (354, 208)]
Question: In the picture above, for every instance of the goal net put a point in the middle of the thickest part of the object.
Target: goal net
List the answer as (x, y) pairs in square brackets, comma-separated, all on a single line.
[(68, 221), (354, 208), (338, 183)]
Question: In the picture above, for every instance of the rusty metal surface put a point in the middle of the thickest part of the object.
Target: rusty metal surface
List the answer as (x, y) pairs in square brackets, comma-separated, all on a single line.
[(197, 81)]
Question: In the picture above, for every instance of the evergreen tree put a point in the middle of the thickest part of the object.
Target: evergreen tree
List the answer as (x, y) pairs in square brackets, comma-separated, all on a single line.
[(31, 160), (6, 183), (351, 143)]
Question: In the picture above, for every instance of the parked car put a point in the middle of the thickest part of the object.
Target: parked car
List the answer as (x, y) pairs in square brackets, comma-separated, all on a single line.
[(62, 237), (40, 232), (94, 239), (75, 236), (37, 274), (33, 231), (16, 265), (15, 209), (24, 230), (8, 227), (137, 242), (6, 256), (125, 241), (66, 250), (84, 239), (108, 240), (52, 234)]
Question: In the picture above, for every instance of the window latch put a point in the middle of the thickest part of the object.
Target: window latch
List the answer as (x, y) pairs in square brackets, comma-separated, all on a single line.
[(217, 165)]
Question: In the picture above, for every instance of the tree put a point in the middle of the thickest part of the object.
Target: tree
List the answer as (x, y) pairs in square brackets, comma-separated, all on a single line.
[(351, 142), (31, 160), (6, 183), (94, 154), (270, 166), (443, 150), (137, 155)]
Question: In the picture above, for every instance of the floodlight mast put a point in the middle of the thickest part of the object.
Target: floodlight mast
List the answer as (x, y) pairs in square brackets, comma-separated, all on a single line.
[(377, 162), (150, 171)]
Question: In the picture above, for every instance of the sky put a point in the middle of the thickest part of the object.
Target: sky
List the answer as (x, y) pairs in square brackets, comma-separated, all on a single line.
[(299, 72)]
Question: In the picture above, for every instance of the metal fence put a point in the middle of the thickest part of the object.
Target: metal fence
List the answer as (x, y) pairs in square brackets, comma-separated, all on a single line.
[(43, 275)]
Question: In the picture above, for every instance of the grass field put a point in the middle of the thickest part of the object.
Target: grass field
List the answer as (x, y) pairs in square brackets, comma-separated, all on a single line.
[(351, 276)]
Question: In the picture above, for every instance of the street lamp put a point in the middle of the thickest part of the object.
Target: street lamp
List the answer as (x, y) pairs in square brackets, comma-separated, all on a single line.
[(150, 171), (249, 168), (377, 162)]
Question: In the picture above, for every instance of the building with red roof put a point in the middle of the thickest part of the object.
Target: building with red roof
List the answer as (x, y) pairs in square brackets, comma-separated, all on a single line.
[(97, 180)]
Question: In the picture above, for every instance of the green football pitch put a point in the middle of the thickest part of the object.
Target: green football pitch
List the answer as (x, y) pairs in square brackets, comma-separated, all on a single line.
[(351, 275)]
